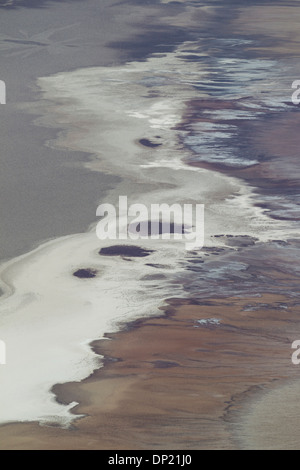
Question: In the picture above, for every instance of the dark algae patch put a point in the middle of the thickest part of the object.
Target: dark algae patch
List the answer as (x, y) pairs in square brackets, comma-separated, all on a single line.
[(148, 143), (125, 250), (85, 273)]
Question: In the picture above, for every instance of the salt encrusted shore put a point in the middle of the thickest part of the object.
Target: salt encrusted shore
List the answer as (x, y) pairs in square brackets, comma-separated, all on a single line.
[(199, 376)]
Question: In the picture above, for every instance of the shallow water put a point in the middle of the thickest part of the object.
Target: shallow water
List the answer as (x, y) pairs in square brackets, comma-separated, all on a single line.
[(211, 108)]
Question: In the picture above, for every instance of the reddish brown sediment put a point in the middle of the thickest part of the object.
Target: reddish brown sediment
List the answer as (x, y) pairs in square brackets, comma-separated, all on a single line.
[(277, 24), (176, 384)]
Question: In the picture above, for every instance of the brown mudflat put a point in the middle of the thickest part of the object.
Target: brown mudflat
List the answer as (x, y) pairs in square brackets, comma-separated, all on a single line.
[(180, 381), (125, 250)]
